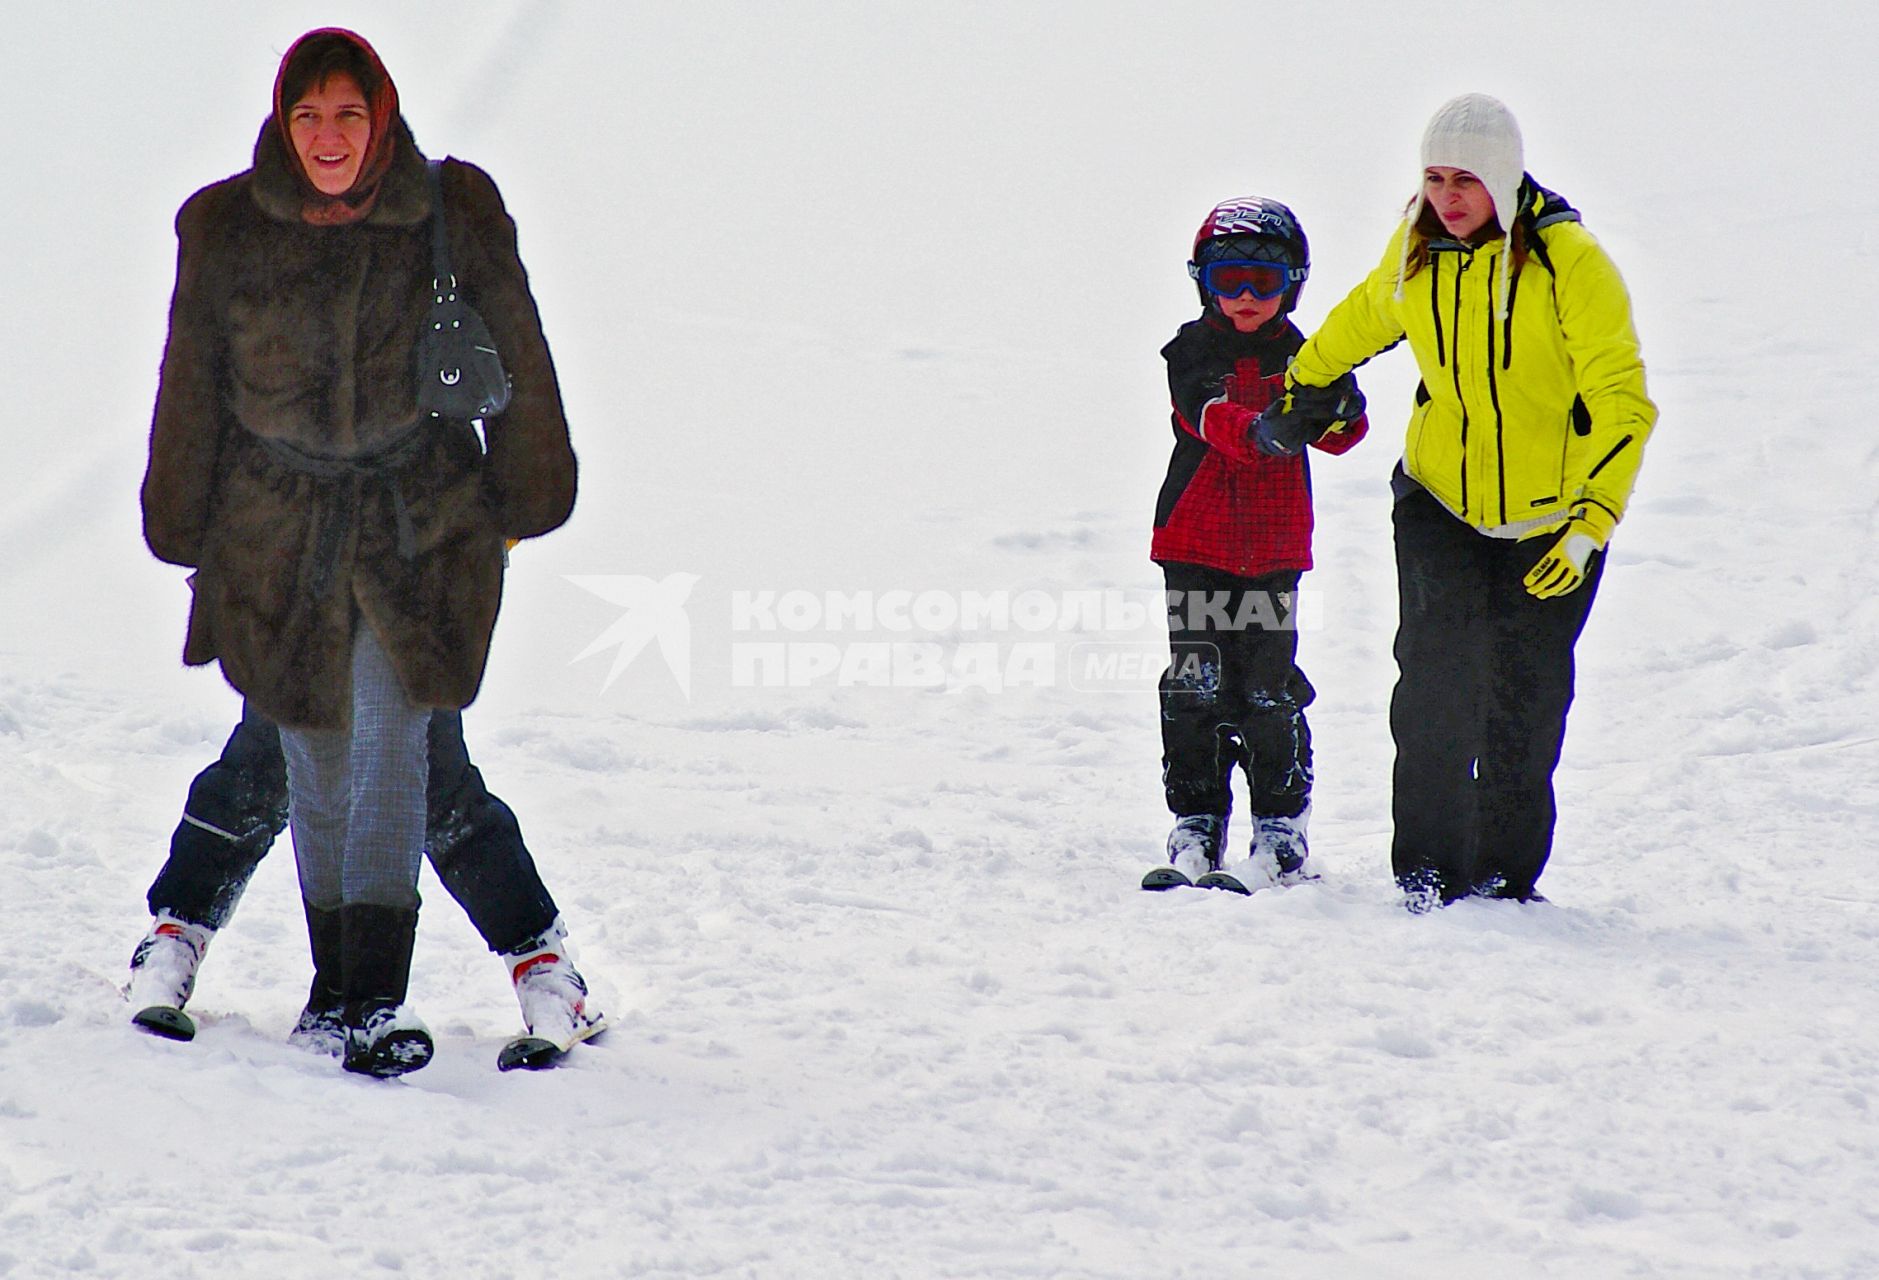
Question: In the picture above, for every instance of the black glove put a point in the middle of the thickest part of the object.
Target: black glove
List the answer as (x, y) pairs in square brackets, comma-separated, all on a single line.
[(1303, 414)]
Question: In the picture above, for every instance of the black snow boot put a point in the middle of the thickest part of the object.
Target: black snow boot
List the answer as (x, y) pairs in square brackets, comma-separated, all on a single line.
[(383, 1037), (322, 1024)]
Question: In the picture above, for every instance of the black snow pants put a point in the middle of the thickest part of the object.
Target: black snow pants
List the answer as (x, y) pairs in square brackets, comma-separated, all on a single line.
[(1233, 693), (238, 805), (1479, 712)]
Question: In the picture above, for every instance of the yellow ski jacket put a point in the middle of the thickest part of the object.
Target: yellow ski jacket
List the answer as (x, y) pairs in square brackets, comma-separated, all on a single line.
[(1518, 417)]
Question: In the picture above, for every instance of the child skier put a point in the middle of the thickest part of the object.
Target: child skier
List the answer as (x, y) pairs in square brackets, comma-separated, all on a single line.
[(1232, 535)]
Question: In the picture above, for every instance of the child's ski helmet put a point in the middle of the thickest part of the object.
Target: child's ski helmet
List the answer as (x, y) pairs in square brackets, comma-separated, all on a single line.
[(1256, 229)]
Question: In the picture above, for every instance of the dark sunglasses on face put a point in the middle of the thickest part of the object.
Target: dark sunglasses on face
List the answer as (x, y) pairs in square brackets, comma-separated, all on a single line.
[(1234, 276)]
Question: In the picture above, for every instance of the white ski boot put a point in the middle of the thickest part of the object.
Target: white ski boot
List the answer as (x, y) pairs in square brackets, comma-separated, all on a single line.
[(1194, 848), (1280, 849), (1278, 857), (555, 1004), (163, 975)]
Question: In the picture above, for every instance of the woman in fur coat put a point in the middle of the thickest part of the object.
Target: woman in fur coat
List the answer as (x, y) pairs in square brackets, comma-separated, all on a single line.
[(347, 546)]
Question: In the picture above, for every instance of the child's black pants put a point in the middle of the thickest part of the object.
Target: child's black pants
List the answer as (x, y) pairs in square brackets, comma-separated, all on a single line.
[(238, 805), (1233, 693)]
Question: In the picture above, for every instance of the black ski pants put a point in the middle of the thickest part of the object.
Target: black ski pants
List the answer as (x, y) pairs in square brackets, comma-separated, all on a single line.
[(1233, 693), (238, 805), (1479, 712)]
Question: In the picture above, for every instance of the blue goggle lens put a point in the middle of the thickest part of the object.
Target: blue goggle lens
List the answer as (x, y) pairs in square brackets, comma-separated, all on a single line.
[(1232, 277)]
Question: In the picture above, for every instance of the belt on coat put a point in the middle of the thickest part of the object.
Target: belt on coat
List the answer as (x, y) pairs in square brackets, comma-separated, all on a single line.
[(381, 466)]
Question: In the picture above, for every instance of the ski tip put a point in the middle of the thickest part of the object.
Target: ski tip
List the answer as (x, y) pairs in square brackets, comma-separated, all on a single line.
[(162, 1020), (528, 1053), (1221, 880), (1165, 878)]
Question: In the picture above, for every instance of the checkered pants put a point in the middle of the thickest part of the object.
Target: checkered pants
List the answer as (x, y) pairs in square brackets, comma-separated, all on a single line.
[(356, 797)]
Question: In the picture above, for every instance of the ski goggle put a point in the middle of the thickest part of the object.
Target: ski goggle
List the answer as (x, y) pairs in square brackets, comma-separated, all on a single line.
[(1231, 277)]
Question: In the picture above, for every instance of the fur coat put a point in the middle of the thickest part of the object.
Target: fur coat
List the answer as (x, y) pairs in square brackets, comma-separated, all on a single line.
[(290, 465)]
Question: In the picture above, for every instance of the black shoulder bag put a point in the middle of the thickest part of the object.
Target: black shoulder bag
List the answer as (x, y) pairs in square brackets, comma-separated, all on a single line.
[(460, 373)]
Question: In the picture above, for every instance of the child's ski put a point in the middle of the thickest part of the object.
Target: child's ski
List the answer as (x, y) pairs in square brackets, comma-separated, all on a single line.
[(167, 1021), (533, 1052), (1234, 884)]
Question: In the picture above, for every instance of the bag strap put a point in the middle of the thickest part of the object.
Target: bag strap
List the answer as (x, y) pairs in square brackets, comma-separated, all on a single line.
[(441, 275)]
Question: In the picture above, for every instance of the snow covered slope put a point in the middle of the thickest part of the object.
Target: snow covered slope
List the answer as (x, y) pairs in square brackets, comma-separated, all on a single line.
[(863, 298)]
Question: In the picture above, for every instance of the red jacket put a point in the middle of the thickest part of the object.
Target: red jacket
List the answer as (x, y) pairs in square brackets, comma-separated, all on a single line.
[(1224, 504)]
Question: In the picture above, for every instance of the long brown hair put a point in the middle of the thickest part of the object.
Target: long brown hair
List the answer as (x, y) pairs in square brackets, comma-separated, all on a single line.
[(1429, 227)]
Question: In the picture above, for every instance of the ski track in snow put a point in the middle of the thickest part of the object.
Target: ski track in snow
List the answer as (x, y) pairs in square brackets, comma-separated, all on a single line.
[(886, 1000)]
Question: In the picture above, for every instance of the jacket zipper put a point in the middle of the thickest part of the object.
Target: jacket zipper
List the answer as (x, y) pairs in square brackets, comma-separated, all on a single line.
[(1435, 307), (1455, 366), (1494, 398), (1513, 296)]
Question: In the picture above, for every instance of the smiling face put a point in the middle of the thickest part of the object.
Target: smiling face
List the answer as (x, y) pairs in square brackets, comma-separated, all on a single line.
[(1459, 200), (332, 129)]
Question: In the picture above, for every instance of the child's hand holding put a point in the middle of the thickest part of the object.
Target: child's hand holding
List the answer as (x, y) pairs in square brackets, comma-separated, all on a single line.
[(1305, 413)]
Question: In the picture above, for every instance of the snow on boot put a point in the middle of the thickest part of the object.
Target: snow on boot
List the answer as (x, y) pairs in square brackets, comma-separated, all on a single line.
[(553, 995), (1278, 856), (163, 975), (1280, 850), (321, 1031), (385, 1039), (1422, 891), (1196, 843), (321, 1027), (1194, 848)]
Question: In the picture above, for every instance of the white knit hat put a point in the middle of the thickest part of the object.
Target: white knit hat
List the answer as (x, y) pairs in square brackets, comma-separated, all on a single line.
[(1479, 134)]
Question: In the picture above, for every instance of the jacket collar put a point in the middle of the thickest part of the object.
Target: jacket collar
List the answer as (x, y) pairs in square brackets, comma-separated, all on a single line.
[(404, 197)]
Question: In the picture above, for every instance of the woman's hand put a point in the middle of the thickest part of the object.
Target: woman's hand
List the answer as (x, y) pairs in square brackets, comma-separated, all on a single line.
[(1304, 414), (1561, 570)]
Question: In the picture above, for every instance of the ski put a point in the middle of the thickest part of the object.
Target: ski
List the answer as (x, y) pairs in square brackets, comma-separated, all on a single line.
[(533, 1052), (1160, 879), (1233, 884), (167, 1021)]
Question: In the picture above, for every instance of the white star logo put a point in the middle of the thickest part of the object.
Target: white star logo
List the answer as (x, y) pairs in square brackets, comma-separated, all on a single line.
[(655, 611)]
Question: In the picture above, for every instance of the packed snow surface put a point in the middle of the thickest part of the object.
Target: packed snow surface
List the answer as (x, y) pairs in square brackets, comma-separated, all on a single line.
[(852, 299)]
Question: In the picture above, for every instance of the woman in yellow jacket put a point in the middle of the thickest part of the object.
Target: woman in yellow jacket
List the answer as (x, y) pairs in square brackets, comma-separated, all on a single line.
[(1522, 450)]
